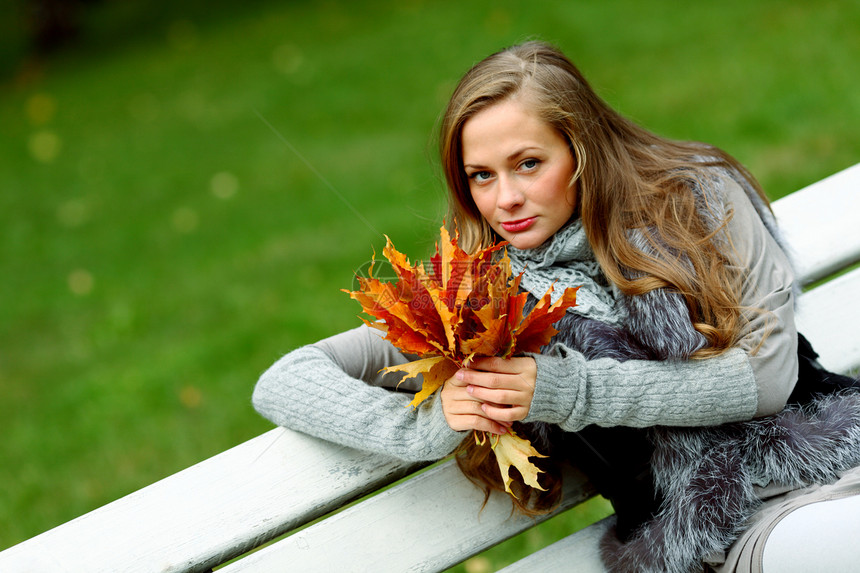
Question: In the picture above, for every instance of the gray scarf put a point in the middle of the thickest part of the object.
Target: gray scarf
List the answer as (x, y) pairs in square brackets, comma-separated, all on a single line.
[(566, 260)]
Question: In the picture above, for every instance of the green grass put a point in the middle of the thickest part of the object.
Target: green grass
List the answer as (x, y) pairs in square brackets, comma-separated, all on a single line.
[(160, 246)]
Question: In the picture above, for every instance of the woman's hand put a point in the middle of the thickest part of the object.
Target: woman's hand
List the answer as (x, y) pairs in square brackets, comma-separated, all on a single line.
[(490, 394)]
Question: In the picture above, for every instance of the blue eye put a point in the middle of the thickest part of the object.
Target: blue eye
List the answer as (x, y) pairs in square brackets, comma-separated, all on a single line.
[(480, 176), (529, 164)]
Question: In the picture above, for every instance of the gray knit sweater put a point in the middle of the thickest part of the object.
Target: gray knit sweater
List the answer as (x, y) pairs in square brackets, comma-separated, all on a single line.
[(332, 389)]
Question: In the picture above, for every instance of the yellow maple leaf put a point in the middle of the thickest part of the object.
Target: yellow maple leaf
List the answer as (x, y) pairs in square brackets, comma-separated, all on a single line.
[(512, 450), (435, 370)]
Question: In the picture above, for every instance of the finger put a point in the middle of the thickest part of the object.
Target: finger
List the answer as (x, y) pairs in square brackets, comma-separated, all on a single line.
[(460, 378), (468, 406), (503, 414), (466, 377), (495, 364), (467, 422), (471, 410), (519, 376), (501, 397)]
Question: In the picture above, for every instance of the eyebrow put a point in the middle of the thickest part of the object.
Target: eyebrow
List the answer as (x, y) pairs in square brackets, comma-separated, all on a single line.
[(510, 157)]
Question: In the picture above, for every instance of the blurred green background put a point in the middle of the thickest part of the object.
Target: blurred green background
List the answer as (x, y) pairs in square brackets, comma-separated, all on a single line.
[(161, 245)]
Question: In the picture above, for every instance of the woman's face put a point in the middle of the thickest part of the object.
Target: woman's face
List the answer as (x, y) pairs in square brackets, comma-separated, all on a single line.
[(519, 170)]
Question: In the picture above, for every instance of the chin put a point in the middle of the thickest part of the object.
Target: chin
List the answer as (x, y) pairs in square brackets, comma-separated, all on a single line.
[(526, 243)]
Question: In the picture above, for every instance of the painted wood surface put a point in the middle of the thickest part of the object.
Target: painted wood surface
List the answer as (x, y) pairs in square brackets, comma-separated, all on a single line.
[(577, 553), (820, 222), (210, 512), (429, 523), (829, 316)]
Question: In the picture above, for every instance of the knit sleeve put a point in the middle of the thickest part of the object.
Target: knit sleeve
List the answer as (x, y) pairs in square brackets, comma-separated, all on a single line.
[(573, 392), (310, 391), (363, 352)]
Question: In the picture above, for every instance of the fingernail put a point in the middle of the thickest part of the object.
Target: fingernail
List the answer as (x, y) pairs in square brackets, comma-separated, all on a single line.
[(459, 375), (470, 389)]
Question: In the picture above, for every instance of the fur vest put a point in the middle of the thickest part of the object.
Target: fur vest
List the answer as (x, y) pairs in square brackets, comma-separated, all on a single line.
[(683, 493)]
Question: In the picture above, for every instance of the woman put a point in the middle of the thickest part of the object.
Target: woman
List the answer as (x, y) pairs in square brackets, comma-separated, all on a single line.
[(669, 380)]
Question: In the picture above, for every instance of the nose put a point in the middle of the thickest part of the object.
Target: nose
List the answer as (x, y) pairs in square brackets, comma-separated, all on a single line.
[(510, 195)]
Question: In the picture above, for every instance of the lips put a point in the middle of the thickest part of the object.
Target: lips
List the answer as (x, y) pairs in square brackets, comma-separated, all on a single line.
[(519, 225)]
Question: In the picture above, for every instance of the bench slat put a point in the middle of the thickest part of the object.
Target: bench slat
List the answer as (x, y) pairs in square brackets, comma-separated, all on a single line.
[(578, 552), (820, 224), (829, 316), (213, 511), (429, 523)]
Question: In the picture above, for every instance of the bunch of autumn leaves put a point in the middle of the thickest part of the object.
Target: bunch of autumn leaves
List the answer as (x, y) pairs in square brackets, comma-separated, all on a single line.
[(460, 307)]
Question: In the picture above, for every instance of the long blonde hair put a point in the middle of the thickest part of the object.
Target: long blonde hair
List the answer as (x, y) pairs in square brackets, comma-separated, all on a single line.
[(628, 179)]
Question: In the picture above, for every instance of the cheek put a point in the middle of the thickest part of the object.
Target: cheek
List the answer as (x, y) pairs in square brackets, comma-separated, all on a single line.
[(559, 193), (566, 193), (484, 203)]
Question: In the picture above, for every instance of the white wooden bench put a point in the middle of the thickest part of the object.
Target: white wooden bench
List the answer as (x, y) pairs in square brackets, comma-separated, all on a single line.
[(216, 512)]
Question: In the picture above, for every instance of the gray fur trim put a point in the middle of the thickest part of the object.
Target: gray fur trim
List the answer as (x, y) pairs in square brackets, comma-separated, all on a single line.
[(660, 320), (596, 339), (707, 477)]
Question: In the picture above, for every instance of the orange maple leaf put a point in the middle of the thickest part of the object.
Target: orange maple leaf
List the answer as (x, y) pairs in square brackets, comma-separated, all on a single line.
[(467, 305)]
